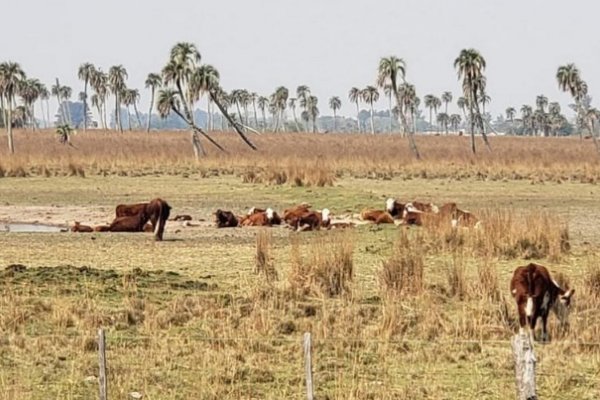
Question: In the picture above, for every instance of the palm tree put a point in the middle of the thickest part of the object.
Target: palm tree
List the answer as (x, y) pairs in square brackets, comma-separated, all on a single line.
[(455, 121), (446, 98), (263, 103), (370, 95), (409, 103), (527, 119), (569, 80), (99, 82), (312, 110), (65, 94), (11, 76), (30, 90), (387, 90), (510, 115), (541, 102), (335, 104), (302, 94), (253, 99), (117, 74), (127, 100), (205, 79), (85, 73), (430, 102), (461, 102), (354, 95), (292, 105), (153, 81), (56, 91), (443, 121), (470, 65), (279, 100), (134, 95), (44, 98)]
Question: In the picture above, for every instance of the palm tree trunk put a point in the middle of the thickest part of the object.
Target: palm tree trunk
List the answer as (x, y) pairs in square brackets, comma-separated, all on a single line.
[(85, 106), (255, 115), (334, 121), (283, 128), (264, 119), (209, 121), (128, 117), (117, 114), (295, 119), (235, 126), (390, 111), (276, 118), (372, 122), (8, 122), (430, 117), (150, 111), (137, 115), (68, 108), (48, 112), (472, 124), (593, 135), (357, 117)]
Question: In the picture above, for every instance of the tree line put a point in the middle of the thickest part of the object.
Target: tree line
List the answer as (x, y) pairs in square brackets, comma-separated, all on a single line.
[(185, 80)]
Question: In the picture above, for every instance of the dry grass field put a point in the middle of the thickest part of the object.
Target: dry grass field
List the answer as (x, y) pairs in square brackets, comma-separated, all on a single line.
[(395, 313)]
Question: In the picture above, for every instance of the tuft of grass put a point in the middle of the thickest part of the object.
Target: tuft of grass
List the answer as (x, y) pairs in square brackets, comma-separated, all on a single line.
[(402, 273), (263, 261)]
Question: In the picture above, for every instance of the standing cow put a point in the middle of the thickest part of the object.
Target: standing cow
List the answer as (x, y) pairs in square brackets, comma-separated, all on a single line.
[(536, 293)]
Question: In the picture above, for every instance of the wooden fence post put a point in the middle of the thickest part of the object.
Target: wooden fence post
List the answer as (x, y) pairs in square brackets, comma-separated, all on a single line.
[(102, 364), (524, 367), (308, 366)]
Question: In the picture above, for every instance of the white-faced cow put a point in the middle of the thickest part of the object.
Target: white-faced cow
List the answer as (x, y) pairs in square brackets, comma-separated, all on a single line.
[(536, 293), (395, 208), (313, 220)]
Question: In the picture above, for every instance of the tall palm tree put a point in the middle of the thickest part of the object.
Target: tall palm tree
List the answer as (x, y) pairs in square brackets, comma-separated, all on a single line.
[(44, 98), (99, 82), (370, 95), (335, 104), (470, 65), (279, 100), (117, 74), (65, 94), (430, 102), (11, 76), (263, 103), (510, 115), (569, 80), (312, 110), (446, 98), (388, 91), (153, 81), (461, 102), (354, 95), (85, 73), (205, 79), (409, 104), (134, 94), (127, 100), (292, 105), (30, 90), (253, 99), (302, 94)]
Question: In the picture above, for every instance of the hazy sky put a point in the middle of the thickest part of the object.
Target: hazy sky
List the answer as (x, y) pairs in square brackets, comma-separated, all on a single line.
[(329, 45)]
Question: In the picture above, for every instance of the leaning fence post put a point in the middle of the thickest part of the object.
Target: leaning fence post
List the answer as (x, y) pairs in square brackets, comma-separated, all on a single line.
[(308, 366), (524, 367), (102, 364)]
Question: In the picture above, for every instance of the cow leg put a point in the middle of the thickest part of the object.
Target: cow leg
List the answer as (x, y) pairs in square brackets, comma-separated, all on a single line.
[(522, 317), (545, 336)]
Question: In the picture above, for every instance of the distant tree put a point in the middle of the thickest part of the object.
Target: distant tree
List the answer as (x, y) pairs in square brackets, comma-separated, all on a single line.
[(430, 103), (263, 103), (541, 102), (99, 82), (44, 99), (470, 65), (527, 119), (510, 115), (30, 91), (117, 74), (253, 99), (388, 91), (443, 121), (205, 79), (292, 105), (455, 120), (446, 98), (354, 95), (85, 73), (11, 76), (153, 81), (302, 94), (65, 94), (279, 101), (312, 110), (335, 104), (569, 80), (370, 95)]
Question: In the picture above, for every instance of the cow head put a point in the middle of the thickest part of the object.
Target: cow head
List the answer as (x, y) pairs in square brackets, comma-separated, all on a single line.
[(251, 211), (562, 306), (389, 204), (269, 213)]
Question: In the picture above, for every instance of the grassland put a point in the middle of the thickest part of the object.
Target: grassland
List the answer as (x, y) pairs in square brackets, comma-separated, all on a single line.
[(192, 318)]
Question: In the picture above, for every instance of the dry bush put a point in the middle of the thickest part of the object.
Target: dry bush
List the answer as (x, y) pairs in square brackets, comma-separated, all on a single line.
[(592, 278), (264, 264), (487, 283), (402, 273), (327, 268)]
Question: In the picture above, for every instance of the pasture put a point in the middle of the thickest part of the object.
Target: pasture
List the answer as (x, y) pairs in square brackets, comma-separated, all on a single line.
[(395, 312)]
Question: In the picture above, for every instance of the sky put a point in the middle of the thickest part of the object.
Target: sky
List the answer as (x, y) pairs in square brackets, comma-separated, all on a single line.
[(329, 45)]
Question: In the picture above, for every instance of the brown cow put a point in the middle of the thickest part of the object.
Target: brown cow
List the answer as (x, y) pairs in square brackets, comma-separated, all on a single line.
[(133, 217), (266, 218), (313, 220), (395, 208), (225, 219), (464, 218), (536, 293), (447, 210), (423, 207), (77, 227), (377, 216), (291, 215)]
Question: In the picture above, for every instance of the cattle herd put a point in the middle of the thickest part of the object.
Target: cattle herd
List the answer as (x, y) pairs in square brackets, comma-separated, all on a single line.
[(534, 291)]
